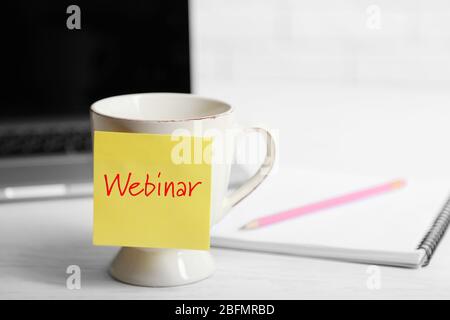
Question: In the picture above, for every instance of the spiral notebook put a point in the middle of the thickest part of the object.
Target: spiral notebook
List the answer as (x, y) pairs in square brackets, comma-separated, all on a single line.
[(399, 228)]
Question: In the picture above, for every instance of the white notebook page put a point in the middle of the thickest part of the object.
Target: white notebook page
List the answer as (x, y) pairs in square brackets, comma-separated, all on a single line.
[(394, 221)]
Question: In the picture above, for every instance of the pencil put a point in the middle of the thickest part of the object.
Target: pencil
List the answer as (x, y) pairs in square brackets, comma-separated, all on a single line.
[(321, 205)]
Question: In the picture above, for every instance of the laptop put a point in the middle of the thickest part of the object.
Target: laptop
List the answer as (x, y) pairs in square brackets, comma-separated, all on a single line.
[(57, 59)]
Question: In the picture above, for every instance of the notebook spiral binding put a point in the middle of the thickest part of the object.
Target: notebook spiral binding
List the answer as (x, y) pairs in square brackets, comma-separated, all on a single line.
[(436, 232)]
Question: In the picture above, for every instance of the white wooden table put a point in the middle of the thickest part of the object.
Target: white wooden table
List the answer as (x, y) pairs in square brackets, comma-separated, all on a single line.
[(39, 240), (371, 131)]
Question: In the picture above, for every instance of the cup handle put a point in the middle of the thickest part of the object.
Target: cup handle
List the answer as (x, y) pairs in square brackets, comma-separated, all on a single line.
[(251, 184)]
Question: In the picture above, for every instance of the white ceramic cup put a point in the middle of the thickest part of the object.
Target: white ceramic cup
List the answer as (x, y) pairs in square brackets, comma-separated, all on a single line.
[(166, 113)]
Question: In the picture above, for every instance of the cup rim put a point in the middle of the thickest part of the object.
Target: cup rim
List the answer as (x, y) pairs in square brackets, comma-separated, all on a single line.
[(229, 110)]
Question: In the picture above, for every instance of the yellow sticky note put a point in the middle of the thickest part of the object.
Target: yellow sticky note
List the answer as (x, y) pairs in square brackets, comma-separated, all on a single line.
[(143, 197)]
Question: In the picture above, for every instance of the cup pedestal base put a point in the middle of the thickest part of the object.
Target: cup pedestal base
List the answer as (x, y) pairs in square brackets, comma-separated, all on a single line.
[(161, 267)]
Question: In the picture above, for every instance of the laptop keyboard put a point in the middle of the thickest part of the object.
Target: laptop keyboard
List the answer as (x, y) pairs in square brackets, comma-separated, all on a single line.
[(45, 142)]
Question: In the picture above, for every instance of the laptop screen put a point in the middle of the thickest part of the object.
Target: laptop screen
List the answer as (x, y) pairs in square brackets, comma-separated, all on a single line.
[(58, 58)]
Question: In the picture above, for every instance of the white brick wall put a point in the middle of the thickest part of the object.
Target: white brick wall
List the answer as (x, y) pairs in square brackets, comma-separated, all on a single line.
[(241, 42)]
